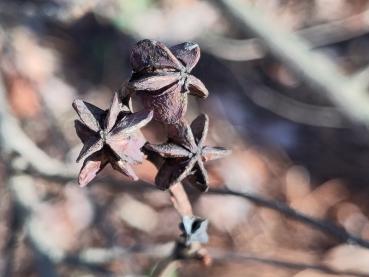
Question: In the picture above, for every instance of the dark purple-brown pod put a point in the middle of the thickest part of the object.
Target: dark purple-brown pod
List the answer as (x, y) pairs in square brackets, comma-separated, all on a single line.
[(151, 54), (169, 107), (173, 171), (123, 139), (83, 132), (188, 53), (169, 150), (109, 137), (90, 115), (196, 87), (112, 114), (184, 154), (180, 133), (90, 146), (213, 153), (88, 138), (132, 122), (91, 167), (162, 78), (199, 178), (199, 128), (154, 82), (125, 168)]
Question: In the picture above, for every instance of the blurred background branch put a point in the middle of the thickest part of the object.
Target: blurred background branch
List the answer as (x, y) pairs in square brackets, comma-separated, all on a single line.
[(95, 259), (14, 140), (322, 225), (316, 69), (318, 36)]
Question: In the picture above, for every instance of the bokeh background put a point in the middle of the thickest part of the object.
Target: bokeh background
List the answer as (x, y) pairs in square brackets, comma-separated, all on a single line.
[(288, 86)]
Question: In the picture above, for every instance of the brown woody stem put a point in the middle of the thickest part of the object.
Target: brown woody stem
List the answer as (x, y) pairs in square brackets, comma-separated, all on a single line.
[(178, 195), (180, 200)]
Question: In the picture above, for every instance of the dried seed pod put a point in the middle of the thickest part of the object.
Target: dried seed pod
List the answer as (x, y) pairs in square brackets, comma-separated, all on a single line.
[(184, 154), (194, 229), (161, 76), (109, 137)]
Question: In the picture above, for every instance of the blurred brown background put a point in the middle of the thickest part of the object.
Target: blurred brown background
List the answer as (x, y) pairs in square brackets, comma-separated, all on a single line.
[(288, 94)]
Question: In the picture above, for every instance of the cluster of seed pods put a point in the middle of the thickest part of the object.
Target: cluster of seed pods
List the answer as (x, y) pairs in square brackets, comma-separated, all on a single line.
[(162, 79)]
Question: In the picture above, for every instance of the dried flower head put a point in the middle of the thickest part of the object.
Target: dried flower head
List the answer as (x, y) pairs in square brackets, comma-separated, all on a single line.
[(109, 137), (184, 154), (162, 77), (194, 229)]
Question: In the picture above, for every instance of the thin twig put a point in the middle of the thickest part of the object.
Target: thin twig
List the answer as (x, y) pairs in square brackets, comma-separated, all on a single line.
[(322, 225)]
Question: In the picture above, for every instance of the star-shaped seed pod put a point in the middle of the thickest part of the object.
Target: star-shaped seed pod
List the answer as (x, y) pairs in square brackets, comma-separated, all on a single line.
[(194, 229), (162, 77), (109, 137), (184, 154)]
